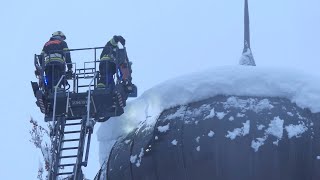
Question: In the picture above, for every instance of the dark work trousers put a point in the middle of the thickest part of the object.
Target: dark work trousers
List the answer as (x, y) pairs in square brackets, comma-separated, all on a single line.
[(54, 71), (107, 70)]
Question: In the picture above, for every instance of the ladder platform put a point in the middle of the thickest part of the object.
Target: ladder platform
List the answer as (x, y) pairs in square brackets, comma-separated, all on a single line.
[(104, 103)]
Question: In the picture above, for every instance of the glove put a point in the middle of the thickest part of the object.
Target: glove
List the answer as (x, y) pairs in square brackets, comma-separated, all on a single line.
[(69, 65), (122, 40), (69, 74)]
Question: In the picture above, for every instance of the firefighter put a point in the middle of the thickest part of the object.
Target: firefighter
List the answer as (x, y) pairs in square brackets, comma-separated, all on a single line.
[(108, 66), (55, 58)]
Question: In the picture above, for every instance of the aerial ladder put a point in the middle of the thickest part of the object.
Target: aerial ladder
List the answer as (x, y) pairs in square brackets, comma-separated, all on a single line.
[(73, 110)]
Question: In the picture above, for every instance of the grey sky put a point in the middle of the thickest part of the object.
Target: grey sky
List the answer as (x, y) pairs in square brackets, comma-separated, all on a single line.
[(164, 39)]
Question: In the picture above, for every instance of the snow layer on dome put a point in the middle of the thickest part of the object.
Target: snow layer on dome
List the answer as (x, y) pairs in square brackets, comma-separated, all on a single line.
[(300, 88)]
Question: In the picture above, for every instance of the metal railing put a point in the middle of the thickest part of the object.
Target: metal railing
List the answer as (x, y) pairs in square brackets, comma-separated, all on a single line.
[(89, 98), (55, 99)]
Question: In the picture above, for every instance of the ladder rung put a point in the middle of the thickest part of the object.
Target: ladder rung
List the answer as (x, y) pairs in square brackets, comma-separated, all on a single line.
[(85, 85), (71, 156), (84, 69), (65, 173), (72, 124), (69, 148), (68, 140), (72, 132), (62, 165), (74, 118), (84, 72), (85, 75)]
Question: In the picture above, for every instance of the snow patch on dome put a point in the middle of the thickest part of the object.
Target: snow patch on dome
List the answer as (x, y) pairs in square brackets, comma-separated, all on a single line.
[(239, 131), (296, 130), (248, 104), (164, 128), (275, 129)]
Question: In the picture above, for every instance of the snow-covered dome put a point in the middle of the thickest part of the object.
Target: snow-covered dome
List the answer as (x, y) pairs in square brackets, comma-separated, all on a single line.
[(224, 123)]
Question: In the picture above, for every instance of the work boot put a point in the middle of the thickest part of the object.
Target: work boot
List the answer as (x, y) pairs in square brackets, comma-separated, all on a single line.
[(128, 86)]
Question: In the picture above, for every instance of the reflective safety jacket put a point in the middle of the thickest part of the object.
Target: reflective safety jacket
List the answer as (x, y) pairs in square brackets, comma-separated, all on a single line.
[(54, 51), (109, 50)]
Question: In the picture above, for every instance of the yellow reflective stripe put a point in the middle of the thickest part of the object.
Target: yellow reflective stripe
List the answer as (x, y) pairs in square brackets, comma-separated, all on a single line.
[(65, 49), (105, 57), (54, 59), (113, 42)]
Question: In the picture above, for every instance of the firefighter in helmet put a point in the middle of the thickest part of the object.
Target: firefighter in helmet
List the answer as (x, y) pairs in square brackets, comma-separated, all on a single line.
[(108, 66), (55, 56)]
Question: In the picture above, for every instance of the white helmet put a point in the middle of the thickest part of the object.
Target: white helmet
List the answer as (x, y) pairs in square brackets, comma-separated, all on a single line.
[(59, 33)]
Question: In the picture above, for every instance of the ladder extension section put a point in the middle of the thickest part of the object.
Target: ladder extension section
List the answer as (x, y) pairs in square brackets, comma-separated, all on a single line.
[(69, 137)]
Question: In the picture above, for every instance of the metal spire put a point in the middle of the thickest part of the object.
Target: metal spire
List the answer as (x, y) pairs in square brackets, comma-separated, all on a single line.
[(247, 57)]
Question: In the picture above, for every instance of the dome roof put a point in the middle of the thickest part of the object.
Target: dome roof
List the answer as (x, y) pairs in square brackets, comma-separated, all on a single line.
[(222, 137)]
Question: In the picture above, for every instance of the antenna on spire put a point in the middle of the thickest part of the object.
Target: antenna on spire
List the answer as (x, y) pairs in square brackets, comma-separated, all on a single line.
[(247, 57)]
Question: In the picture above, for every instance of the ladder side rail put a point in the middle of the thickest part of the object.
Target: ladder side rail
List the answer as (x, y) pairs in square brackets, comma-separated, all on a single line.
[(52, 175), (55, 100), (55, 147), (61, 124), (95, 66), (67, 106), (75, 80), (94, 105), (77, 167), (85, 163), (77, 172), (53, 127), (89, 98)]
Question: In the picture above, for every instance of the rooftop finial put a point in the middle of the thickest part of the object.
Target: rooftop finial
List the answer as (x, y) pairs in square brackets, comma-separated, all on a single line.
[(247, 57)]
